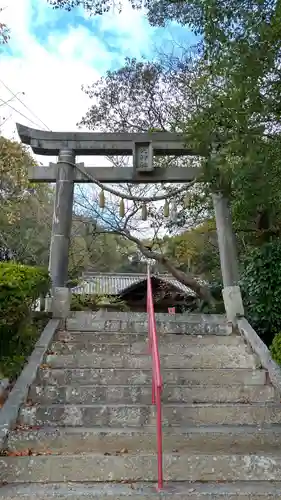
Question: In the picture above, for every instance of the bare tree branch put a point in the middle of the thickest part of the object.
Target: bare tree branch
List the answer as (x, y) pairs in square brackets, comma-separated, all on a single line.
[(144, 199)]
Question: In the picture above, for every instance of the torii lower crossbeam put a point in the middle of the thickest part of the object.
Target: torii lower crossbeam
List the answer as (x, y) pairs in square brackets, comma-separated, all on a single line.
[(116, 175)]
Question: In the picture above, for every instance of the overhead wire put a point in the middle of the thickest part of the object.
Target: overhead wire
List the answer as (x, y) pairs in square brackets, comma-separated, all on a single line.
[(19, 112), (6, 102), (27, 107), (5, 120)]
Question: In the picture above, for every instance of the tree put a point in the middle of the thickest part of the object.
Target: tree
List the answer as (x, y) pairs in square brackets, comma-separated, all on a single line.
[(28, 236), (147, 96), (234, 84), (216, 20), (96, 7), (238, 87), (26, 210), (134, 223), (14, 162), (196, 250), (241, 153), (144, 96), (4, 31), (261, 283), (95, 250)]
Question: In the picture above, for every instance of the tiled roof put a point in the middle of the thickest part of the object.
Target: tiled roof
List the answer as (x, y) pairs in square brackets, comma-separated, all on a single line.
[(115, 283)]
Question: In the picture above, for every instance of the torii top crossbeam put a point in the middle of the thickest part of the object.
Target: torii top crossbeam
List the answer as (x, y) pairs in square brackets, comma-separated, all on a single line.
[(95, 143), (141, 146)]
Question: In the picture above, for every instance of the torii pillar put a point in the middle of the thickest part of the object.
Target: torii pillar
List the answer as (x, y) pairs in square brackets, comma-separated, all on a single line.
[(61, 231), (228, 258), (62, 218)]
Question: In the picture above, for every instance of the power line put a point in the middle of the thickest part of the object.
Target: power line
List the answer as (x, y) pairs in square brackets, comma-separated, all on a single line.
[(5, 120), (6, 102), (24, 116), (28, 109)]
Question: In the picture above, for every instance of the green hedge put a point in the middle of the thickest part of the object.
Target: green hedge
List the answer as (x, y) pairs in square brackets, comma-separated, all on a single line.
[(20, 286), (261, 287), (275, 348)]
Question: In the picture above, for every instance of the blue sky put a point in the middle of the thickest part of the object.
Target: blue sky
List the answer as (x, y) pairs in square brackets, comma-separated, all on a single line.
[(53, 52)]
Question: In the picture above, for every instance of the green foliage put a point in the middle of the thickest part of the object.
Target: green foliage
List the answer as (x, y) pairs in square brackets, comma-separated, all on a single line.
[(96, 251), (13, 361), (217, 308), (216, 20), (16, 349), (95, 302), (133, 87), (26, 210), (83, 302), (216, 291), (275, 348), (20, 286), (261, 286), (196, 250), (14, 163)]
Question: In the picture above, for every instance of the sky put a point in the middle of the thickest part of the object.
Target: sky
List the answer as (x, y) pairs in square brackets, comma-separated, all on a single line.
[(51, 53)]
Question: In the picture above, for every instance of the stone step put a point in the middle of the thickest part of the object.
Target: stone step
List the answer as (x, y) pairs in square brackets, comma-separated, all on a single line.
[(141, 467), (240, 490), (131, 338), (89, 394), (193, 325), (175, 329), (107, 338), (138, 415), (179, 376), (216, 439), (111, 344), (194, 357)]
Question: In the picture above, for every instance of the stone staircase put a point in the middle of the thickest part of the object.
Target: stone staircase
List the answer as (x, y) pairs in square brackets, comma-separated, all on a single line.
[(88, 429)]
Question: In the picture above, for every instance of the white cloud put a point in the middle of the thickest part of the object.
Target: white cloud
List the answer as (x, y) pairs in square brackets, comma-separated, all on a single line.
[(51, 74), (132, 25), (50, 79)]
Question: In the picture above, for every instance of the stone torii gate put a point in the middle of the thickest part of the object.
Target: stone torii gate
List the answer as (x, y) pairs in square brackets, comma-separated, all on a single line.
[(143, 147)]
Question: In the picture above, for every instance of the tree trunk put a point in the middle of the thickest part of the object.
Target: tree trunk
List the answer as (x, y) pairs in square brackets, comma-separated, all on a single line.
[(186, 279), (202, 291)]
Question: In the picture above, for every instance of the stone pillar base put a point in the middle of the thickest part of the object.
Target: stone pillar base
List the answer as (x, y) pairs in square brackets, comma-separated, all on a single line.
[(233, 303), (48, 304), (61, 302)]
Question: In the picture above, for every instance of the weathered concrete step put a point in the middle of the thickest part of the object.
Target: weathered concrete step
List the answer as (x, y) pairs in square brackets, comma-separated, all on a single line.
[(112, 344), (179, 376), (83, 339), (107, 338), (240, 490), (138, 415), (195, 357), (216, 439), (193, 325), (89, 394), (138, 467)]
